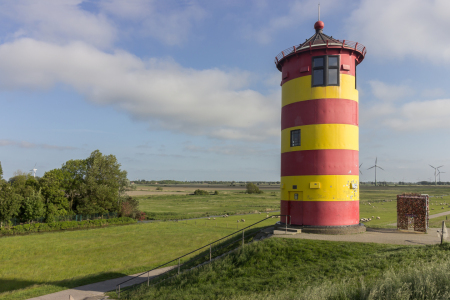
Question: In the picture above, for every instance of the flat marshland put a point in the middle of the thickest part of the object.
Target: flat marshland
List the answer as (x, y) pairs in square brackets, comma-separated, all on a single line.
[(39, 264)]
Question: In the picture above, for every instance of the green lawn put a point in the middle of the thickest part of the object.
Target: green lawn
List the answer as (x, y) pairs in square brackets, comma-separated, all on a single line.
[(384, 200), (190, 206), (310, 269), (40, 264)]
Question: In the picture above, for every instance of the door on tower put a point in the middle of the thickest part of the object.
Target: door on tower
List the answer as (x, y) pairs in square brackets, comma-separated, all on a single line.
[(296, 211)]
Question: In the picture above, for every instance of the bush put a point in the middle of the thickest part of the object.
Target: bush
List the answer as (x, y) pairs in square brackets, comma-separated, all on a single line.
[(201, 192), (159, 188), (64, 225), (216, 192), (253, 189)]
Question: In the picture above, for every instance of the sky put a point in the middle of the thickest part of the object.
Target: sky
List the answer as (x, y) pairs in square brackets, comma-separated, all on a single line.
[(188, 90)]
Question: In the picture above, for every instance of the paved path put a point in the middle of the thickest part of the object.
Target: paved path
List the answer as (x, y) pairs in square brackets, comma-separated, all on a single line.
[(98, 289), (430, 216), (381, 236)]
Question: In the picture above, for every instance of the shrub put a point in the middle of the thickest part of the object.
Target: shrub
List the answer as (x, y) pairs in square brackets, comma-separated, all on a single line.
[(253, 189), (42, 227), (201, 192), (159, 188), (216, 192)]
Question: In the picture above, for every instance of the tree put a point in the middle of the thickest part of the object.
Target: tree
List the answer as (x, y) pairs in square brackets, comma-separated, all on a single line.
[(33, 207), (10, 203), (74, 173), (1, 171), (129, 207), (52, 191), (104, 184), (253, 189)]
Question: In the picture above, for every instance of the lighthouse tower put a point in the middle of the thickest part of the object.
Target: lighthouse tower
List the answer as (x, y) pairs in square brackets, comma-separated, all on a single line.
[(319, 133)]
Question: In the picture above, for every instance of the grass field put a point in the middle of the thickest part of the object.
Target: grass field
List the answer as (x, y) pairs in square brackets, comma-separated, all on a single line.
[(44, 263), (387, 211), (309, 269), (194, 206), (40, 264)]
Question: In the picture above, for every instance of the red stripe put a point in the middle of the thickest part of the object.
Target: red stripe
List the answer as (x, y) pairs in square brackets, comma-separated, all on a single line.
[(321, 213), (295, 66), (319, 111), (320, 162)]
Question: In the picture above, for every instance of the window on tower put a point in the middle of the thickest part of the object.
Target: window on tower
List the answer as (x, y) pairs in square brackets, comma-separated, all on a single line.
[(295, 138), (325, 70)]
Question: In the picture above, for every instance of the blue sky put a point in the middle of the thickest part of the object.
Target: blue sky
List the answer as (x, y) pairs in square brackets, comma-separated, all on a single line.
[(188, 90)]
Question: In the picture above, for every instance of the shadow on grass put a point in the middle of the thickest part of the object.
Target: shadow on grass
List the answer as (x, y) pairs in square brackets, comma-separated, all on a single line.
[(11, 285)]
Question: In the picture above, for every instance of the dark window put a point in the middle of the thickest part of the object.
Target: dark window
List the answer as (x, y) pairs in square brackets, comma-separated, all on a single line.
[(295, 138), (325, 70), (294, 187)]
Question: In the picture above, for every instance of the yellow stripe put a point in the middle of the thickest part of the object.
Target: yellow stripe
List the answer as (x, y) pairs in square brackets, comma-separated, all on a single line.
[(299, 89), (322, 136), (332, 187)]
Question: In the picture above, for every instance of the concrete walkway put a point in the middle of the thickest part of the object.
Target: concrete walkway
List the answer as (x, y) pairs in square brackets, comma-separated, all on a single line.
[(97, 290), (381, 236)]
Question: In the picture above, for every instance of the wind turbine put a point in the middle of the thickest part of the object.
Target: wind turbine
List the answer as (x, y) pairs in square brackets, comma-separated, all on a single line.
[(436, 169), (34, 170), (440, 175), (375, 166), (360, 169)]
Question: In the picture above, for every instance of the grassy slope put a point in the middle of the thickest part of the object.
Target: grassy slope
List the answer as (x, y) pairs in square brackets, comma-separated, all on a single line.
[(45, 263), (190, 206), (289, 266)]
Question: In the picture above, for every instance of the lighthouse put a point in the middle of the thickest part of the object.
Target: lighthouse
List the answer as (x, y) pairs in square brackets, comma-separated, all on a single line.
[(320, 134)]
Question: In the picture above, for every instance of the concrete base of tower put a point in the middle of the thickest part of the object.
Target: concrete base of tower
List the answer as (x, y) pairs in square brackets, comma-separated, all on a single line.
[(350, 229)]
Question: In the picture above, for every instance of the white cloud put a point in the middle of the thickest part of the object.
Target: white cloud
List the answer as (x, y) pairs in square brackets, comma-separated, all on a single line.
[(56, 22), (168, 21), (297, 12), (395, 29), (386, 92), (208, 102), (425, 115), (24, 144)]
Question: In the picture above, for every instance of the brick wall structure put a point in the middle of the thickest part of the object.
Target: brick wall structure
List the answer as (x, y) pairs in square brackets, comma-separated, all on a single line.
[(412, 211)]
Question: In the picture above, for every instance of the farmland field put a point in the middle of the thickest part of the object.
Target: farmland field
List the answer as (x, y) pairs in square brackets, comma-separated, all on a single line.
[(45, 263)]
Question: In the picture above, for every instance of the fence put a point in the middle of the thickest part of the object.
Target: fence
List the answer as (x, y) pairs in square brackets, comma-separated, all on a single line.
[(220, 246), (15, 221)]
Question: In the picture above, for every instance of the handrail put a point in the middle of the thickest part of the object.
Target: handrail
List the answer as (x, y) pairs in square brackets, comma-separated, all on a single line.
[(355, 46), (178, 258)]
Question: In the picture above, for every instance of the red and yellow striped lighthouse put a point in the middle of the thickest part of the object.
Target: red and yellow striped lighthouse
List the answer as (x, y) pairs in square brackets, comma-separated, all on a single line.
[(319, 131)]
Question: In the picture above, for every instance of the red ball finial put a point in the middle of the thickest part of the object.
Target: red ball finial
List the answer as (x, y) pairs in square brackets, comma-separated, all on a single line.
[(319, 25)]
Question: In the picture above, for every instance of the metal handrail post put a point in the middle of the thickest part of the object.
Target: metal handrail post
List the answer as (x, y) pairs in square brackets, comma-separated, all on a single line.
[(179, 265), (242, 238), (210, 253), (148, 278), (119, 291)]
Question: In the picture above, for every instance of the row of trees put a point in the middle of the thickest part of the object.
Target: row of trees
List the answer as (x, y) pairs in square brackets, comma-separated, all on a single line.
[(94, 185)]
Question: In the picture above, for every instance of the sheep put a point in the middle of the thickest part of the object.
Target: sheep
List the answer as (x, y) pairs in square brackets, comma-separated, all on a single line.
[(378, 218), (214, 218), (370, 219), (242, 220), (267, 216), (209, 218), (373, 217), (238, 221)]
